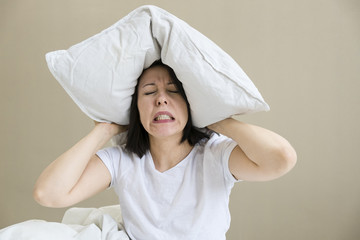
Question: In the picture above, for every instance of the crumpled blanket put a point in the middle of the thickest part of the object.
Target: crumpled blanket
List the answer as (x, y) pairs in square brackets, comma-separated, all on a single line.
[(77, 224)]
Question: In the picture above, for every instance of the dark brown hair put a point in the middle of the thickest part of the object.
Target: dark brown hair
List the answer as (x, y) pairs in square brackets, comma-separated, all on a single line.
[(138, 138)]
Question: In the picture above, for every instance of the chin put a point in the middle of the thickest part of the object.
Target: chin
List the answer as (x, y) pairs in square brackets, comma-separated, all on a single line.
[(166, 134)]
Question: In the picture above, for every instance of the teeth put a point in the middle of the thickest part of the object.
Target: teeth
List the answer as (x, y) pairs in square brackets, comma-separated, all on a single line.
[(163, 117)]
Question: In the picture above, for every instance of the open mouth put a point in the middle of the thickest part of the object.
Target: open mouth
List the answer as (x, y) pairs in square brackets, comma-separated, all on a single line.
[(163, 117)]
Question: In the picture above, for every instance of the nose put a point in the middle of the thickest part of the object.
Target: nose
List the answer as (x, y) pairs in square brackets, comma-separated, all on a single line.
[(161, 101)]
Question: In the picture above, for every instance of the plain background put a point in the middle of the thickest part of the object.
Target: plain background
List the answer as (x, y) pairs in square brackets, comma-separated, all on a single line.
[(303, 56)]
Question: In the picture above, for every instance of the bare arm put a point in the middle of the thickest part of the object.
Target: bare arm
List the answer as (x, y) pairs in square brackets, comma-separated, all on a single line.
[(261, 155), (78, 173)]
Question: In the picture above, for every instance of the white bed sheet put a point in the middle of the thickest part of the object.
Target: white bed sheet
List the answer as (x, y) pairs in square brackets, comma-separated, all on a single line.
[(78, 223)]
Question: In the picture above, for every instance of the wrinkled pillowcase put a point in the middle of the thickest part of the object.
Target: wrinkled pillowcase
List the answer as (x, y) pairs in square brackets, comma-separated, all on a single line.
[(100, 73)]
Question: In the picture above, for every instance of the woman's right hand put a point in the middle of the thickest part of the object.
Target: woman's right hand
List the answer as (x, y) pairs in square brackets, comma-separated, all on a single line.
[(111, 128)]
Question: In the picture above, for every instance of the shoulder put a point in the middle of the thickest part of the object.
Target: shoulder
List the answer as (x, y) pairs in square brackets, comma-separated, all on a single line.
[(217, 148), (215, 154), (110, 152), (218, 141), (117, 160), (116, 153)]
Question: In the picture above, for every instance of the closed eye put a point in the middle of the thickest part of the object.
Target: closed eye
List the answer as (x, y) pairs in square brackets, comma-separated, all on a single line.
[(173, 91), (149, 93)]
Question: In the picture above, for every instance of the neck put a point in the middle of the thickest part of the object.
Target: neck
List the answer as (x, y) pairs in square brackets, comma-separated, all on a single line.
[(167, 154)]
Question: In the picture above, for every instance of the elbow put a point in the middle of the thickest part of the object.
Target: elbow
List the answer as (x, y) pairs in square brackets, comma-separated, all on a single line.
[(290, 157), (287, 159), (38, 196), (45, 198), (278, 161), (41, 197)]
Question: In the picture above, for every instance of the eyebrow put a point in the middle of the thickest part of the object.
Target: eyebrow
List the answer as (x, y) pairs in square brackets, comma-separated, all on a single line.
[(148, 84), (153, 84)]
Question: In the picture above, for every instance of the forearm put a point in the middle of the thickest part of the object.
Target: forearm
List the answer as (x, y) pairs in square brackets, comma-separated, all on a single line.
[(264, 147), (59, 178)]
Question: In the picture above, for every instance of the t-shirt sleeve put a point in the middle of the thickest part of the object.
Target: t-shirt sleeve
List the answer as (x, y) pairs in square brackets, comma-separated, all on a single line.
[(111, 158), (221, 147)]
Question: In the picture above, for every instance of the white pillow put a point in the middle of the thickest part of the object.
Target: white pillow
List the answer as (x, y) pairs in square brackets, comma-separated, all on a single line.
[(100, 73)]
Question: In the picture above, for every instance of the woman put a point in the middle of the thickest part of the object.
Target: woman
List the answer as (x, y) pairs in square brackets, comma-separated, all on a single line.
[(173, 180)]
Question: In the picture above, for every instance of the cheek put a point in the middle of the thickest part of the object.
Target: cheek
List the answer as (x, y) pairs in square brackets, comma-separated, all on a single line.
[(184, 110), (143, 109), (140, 108), (186, 115)]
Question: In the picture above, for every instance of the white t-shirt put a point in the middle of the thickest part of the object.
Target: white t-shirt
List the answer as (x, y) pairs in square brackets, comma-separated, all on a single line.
[(188, 201)]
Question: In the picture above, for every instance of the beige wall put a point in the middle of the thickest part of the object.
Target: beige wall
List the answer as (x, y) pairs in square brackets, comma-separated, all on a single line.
[(304, 57)]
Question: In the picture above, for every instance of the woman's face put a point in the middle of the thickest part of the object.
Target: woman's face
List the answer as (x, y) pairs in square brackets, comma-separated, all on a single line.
[(163, 111)]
